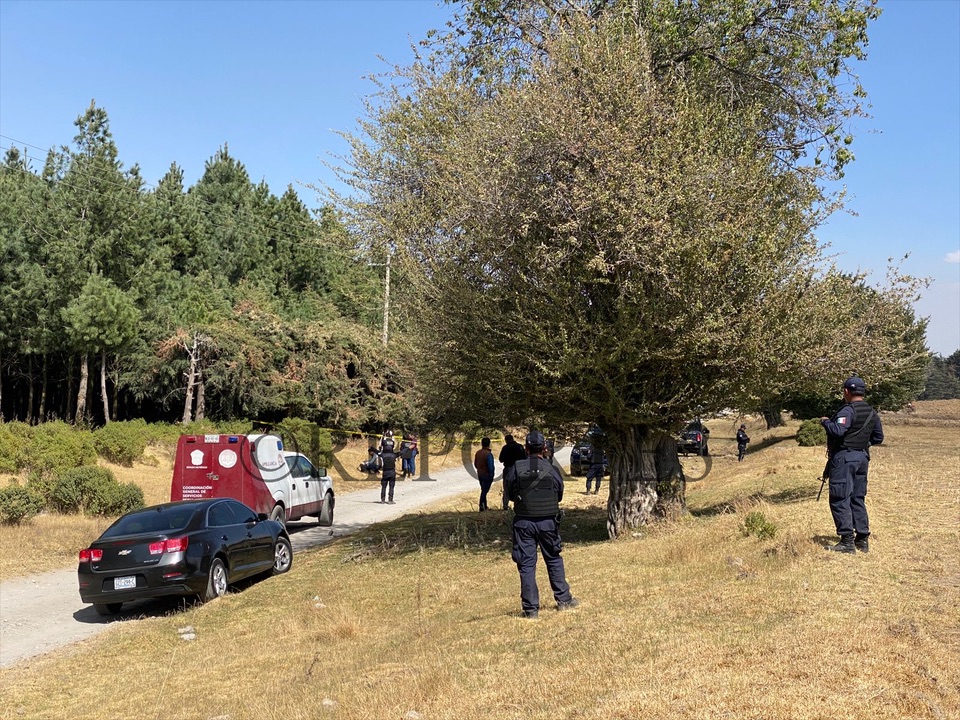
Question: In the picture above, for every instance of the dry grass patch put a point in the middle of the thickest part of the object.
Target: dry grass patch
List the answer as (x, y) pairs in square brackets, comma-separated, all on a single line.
[(46, 542), (932, 413)]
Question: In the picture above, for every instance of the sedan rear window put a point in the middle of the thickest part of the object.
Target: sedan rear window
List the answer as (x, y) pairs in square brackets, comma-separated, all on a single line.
[(152, 521)]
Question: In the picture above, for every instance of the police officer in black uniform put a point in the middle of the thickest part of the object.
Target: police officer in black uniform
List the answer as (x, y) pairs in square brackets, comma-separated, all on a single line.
[(742, 440), (850, 433), (536, 489), (598, 467), (388, 463)]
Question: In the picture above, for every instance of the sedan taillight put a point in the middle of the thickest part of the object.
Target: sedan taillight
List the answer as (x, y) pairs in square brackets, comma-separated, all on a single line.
[(91, 555), (165, 546)]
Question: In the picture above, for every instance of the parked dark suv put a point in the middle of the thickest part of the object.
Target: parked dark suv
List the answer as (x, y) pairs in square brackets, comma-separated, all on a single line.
[(693, 439), (580, 457)]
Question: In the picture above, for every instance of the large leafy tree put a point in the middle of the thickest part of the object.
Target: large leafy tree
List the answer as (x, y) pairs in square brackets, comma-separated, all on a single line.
[(15, 180), (607, 210)]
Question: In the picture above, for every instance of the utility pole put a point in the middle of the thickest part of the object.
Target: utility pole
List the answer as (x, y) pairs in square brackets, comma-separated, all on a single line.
[(386, 303)]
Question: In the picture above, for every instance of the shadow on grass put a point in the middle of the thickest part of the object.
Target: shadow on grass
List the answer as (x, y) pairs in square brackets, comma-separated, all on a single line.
[(769, 442), (785, 496), (166, 606), (487, 533)]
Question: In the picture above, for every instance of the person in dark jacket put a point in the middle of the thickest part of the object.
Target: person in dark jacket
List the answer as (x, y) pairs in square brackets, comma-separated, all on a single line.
[(850, 433), (742, 440), (598, 466), (388, 460), (408, 455), (509, 454), (483, 462), (536, 489)]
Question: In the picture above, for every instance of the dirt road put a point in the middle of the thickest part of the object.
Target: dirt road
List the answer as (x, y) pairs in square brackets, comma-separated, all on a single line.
[(44, 612)]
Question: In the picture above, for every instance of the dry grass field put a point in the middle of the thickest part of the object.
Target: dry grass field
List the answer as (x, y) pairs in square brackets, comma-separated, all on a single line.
[(418, 619)]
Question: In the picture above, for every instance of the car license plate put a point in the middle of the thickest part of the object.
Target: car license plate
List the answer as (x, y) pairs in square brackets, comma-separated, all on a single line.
[(124, 583)]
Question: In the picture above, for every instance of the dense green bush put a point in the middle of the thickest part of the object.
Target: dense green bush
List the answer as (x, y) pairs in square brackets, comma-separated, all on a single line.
[(122, 442), (198, 427), (41, 484), (811, 433), (13, 436), (54, 447), (756, 523), (71, 490), (233, 427), (18, 503), (108, 497), (163, 433)]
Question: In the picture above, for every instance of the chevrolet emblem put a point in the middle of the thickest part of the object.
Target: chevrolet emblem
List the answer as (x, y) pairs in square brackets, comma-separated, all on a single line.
[(124, 552)]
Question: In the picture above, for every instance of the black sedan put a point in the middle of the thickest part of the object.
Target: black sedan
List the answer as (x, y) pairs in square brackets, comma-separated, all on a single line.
[(194, 547)]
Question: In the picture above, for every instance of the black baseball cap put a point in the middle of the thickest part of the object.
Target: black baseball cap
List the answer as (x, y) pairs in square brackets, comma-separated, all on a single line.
[(535, 440), (855, 385)]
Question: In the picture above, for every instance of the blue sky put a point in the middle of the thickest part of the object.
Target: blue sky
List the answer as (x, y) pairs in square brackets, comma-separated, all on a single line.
[(276, 81)]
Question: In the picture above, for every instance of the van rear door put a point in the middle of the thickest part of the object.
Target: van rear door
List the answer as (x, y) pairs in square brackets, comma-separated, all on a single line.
[(208, 466)]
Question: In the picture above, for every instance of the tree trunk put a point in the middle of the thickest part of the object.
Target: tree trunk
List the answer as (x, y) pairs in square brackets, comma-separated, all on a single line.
[(773, 417), (646, 478), (30, 390), (671, 482), (191, 381), (67, 411), (103, 387), (201, 402), (2, 419), (43, 390), (82, 390), (633, 477), (116, 388)]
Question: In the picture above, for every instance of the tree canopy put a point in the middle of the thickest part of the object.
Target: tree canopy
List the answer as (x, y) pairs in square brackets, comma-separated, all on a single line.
[(607, 212), (220, 300)]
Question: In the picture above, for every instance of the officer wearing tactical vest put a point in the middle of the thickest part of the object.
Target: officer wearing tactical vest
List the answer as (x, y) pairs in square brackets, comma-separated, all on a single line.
[(850, 433), (536, 490)]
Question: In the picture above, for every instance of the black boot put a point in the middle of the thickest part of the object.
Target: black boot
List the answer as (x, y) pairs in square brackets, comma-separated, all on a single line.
[(845, 545), (862, 543)]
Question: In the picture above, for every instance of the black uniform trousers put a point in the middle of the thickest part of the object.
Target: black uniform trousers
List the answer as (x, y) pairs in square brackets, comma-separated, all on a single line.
[(528, 535), (595, 473), (848, 491), (389, 480)]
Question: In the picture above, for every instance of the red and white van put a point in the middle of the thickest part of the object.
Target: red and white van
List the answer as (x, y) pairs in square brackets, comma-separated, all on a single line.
[(256, 470)]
